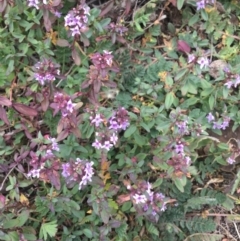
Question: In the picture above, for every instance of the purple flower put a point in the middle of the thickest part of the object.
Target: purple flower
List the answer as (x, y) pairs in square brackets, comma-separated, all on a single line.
[(229, 84), (191, 58), (88, 174), (57, 14), (54, 144), (237, 81), (97, 120), (200, 4), (63, 103), (66, 170), (182, 127), (140, 198), (33, 3), (97, 144), (210, 117), (76, 19), (230, 160), (203, 61), (179, 148), (107, 145), (80, 172), (114, 138), (217, 125), (45, 71), (70, 106), (225, 123)]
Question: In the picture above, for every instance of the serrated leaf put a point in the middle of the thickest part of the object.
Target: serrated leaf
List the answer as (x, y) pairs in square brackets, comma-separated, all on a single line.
[(48, 229)]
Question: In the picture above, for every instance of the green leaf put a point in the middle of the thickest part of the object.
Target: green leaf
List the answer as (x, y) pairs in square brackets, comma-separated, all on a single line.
[(180, 74), (194, 19), (105, 216), (180, 4), (48, 229), (130, 131), (211, 102), (169, 100), (104, 22), (180, 183), (87, 232), (18, 222)]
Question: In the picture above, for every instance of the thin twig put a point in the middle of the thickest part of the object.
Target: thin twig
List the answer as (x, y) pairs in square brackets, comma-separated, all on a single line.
[(5, 178)]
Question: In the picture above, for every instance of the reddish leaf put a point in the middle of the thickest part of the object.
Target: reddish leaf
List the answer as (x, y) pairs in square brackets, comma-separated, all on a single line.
[(24, 109), (97, 86), (62, 43), (45, 104), (107, 9), (3, 5), (76, 57), (183, 46), (127, 7), (62, 135), (56, 2), (55, 179), (5, 101), (85, 84), (174, 2), (3, 115), (76, 132), (123, 198)]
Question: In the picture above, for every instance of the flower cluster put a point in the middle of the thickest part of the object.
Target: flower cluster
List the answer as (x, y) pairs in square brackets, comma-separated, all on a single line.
[(201, 4), (202, 61), (106, 135), (117, 28), (234, 82), (46, 4), (146, 201), (221, 124), (102, 62), (76, 19), (45, 71), (45, 152), (80, 171), (62, 103)]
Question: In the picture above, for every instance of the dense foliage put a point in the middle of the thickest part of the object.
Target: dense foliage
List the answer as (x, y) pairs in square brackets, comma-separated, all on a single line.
[(118, 120)]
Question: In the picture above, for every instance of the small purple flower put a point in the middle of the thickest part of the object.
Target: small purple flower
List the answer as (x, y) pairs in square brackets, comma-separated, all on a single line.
[(217, 125), (229, 84), (230, 160), (45, 71), (57, 14), (88, 174), (237, 81), (210, 117), (76, 19), (107, 145), (54, 144), (182, 127), (97, 120), (200, 5), (97, 144), (70, 106), (114, 138), (225, 123), (179, 148), (140, 198), (66, 170), (33, 3), (191, 58), (203, 61)]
